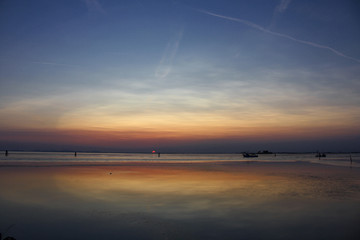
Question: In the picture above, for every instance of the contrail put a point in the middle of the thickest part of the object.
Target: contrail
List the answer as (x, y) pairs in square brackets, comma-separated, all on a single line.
[(258, 27), (164, 67)]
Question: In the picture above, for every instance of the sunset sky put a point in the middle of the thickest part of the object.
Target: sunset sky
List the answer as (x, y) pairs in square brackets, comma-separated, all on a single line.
[(180, 75)]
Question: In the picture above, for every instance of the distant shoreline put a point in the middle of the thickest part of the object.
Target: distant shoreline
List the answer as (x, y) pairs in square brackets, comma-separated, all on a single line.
[(113, 152)]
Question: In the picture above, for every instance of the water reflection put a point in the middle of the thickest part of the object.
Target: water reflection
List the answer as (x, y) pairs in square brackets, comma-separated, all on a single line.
[(204, 201)]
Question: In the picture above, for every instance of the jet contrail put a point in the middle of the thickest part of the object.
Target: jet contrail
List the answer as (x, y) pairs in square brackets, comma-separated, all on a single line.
[(258, 27), (164, 67)]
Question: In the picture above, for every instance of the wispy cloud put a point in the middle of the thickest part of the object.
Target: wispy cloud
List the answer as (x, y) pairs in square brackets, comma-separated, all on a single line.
[(94, 6), (280, 8), (165, 64), (283, 5), (260, 28)]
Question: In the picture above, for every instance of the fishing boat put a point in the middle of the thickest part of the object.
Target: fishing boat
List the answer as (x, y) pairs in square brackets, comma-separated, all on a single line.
[(249, 155), (318, 155), (264, 152)]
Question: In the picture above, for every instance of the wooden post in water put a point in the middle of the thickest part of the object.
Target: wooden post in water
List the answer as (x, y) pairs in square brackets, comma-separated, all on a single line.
[(6, 152), (75, 154)]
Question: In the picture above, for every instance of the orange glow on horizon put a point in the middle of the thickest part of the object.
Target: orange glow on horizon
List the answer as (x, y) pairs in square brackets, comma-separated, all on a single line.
[(106, 126), (101, 128), (104, 138)]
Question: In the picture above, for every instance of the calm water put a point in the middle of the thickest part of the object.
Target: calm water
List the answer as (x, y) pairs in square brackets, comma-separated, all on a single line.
[(68, 158), (139, 196)]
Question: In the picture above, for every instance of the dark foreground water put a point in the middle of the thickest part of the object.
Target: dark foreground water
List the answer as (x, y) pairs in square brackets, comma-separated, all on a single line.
[(182, 199)]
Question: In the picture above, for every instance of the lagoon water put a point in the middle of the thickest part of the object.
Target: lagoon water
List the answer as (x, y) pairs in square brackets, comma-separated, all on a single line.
[(179, 196), (68, 158)]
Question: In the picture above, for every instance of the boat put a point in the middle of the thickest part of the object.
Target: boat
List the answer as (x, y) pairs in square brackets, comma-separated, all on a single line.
[(249, 155), (264, 152), (318, 155)]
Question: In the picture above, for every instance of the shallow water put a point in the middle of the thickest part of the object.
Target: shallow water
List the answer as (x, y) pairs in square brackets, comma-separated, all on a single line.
[(68, 158), (183, 200)]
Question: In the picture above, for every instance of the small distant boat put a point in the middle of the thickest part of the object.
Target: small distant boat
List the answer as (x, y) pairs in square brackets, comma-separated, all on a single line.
[(249, 155), (318, 155), (264, 152)]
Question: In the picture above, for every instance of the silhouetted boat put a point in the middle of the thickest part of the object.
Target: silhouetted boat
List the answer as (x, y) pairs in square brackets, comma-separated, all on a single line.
[(249, 155), (318, 155), (264, 152)]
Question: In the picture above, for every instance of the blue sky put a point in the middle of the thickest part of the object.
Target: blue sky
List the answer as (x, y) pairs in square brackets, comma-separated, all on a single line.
[(249, 74)]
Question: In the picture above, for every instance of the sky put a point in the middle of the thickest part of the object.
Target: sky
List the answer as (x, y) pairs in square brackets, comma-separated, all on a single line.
[(204, 76)]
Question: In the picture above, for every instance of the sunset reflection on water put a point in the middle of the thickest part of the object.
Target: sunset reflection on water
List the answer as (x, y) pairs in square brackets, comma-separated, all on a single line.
[(193, 201)]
